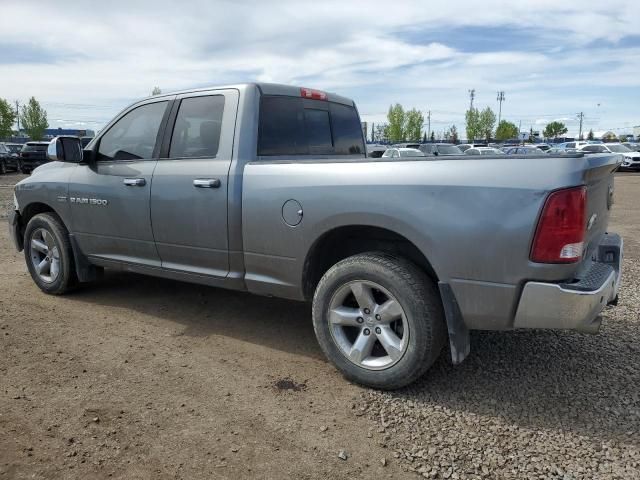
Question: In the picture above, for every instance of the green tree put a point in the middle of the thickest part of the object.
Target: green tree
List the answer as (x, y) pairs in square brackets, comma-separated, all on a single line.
[(590, 136), (7, 118), (554, 129), (472, 119), (395, 128), (453, 134), (34, 119), (506, 130), (156, 91), (413, 121), (487, 120), (380, 134)]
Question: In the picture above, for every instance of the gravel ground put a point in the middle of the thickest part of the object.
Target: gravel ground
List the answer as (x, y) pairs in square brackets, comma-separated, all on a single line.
[(135, 377), (531, 404)]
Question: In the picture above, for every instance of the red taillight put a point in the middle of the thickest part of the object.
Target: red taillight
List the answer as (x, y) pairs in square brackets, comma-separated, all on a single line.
[(560, 233), (312, 94)]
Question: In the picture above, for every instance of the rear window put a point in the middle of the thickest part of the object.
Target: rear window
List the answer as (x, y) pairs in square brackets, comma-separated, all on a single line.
[(297, 126), (35, 148)]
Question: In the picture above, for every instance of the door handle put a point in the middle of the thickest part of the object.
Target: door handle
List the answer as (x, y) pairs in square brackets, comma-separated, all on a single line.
[(135, 182), (207, 183)]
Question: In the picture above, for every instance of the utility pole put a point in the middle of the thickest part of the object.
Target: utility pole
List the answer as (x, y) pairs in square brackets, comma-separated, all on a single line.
[(520, 131), (373, 126), (500, 100), (18, 115), (581, 117), (429, 124), (472, 95)]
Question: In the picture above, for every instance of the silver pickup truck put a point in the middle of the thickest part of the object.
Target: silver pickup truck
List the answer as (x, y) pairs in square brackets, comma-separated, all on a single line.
[(267, 188)]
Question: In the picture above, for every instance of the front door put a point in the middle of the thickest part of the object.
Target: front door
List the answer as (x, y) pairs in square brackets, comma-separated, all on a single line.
[(109, 198), (189, 192)]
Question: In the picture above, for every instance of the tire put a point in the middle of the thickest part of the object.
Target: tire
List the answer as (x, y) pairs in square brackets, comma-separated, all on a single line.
[(3, 167), (340, 320), (46, 237)]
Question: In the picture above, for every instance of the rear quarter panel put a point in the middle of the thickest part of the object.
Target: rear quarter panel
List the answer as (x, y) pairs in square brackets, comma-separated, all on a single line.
[(472, 218)]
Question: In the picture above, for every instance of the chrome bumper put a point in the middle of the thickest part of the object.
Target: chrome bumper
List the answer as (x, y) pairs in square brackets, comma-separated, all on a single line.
[(575, 305)]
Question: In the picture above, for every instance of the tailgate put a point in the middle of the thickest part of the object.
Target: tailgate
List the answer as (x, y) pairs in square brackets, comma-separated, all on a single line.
[(599, 179)]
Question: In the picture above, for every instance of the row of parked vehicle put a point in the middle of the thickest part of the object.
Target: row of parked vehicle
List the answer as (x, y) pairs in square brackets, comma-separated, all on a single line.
[(630, 151), (24, 158)]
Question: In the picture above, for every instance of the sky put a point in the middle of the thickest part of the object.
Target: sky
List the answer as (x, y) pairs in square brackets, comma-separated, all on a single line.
[(87, 60)]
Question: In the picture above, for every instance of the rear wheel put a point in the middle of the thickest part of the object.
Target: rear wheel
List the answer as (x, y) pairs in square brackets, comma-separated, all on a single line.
[(48, 253), (379, 319), (3, 167)]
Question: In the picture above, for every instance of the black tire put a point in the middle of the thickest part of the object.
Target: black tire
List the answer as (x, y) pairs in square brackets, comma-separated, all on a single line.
[(418, 297), (66, 279), (3, 167)]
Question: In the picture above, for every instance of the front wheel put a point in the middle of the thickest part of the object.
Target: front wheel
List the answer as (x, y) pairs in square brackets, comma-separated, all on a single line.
[(379, 319), (48, 253)]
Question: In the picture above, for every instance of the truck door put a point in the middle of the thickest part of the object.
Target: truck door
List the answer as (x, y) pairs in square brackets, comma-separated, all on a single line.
[(189, 191), (109, 198)]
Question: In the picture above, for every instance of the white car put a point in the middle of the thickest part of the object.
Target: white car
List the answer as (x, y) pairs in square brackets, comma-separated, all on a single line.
[(483, 151), (631, 159), (402, 152)]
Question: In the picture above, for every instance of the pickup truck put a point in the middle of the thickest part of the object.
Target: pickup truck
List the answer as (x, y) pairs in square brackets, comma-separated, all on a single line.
[(267, 189)]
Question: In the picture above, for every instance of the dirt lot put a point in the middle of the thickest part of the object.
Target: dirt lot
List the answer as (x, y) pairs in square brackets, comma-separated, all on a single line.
[(136, 377)]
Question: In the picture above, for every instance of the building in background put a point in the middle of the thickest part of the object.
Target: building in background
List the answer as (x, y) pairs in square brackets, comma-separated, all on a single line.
[(56, 132)]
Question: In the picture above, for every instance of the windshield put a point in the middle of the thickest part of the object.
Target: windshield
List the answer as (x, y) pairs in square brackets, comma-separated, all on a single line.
[(39, 147), (411, 153), (491, 151), (14, 148), (449, 150), (618, 148), (388, 153)]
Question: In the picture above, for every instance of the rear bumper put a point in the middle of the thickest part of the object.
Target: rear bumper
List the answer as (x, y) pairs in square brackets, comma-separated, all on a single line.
[(575, 305)]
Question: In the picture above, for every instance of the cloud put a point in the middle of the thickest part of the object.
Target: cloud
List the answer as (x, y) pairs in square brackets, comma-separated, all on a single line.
[(547, 57)]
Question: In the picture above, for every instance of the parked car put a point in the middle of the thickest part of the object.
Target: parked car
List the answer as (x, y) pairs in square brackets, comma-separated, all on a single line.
[(440, 149), (563, 151), (14, 148), (266, 188), (631, 158), (402, 152), (32, 155), (466, 146), (526, 150), (84, 141), (406, 145), (542, 146), (8, 161), (376, 151), (483, 151), (632, 146), (576, 144)]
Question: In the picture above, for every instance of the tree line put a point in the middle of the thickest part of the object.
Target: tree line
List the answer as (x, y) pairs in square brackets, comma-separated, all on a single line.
[(32, 117), (406, 126)]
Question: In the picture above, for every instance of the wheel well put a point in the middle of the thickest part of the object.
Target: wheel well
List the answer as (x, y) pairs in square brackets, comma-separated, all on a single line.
[(343, 242), (31, 211)]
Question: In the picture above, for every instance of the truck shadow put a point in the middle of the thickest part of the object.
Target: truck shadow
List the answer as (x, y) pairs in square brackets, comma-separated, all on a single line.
[(556, 380)]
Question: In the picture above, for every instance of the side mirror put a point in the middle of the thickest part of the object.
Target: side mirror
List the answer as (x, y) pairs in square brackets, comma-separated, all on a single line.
[(65, 149)]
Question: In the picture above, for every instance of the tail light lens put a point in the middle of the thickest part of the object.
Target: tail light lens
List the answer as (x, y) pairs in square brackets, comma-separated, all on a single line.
[(561, 229)]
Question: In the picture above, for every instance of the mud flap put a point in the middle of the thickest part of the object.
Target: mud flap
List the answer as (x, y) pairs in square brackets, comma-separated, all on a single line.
[(458, 331)]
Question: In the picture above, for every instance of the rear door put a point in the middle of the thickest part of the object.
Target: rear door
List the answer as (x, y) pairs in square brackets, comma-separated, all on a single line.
[(109, 198), (189, 192)]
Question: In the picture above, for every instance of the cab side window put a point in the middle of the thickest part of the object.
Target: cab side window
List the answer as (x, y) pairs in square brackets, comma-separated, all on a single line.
[(134, 136), (197, 129)]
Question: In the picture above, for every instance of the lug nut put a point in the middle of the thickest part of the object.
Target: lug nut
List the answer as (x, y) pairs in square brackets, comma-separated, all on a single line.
[(378, 330), (367, 311), (359, 319), (366, 331), (378, 317)]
